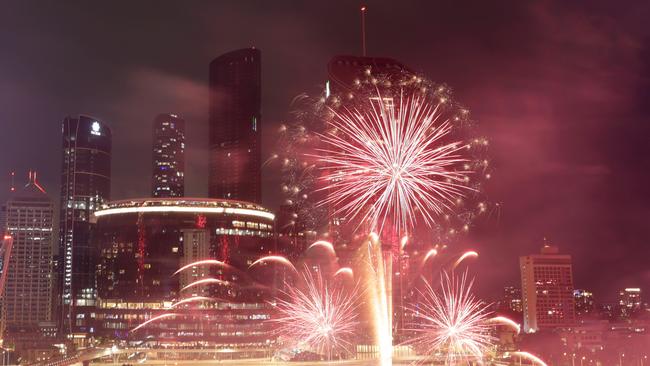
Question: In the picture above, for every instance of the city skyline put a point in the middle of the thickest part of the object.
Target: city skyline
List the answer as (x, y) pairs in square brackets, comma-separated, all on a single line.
[(584, 192)]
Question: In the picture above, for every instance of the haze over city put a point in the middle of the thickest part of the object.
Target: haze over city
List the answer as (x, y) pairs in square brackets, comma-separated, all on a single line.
[(560, 90)]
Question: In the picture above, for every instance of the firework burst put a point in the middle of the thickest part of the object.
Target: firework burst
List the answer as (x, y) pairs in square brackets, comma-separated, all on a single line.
[(452, 322), (392, 160), (396, 150), (319, 315)]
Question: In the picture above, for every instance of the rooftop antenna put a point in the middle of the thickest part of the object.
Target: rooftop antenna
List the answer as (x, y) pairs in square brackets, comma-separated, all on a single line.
[(13, 181), (363, 29)]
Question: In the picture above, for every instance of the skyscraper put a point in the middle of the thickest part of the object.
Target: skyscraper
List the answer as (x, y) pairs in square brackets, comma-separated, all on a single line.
[(168, 178), (28, 287), (85, 185), (547, 290), (343, 73), (235, 126)]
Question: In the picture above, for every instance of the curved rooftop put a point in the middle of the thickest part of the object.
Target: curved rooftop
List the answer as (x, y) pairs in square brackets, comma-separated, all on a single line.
[(184, 205)]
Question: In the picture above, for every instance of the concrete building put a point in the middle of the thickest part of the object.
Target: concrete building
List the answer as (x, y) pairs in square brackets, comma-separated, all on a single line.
[(28, 288), (547, 290)]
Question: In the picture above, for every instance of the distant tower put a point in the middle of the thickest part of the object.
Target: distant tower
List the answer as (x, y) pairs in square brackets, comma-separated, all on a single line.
[(28, 288), (547, 290), (168, 156), (235, 126), (85, 185)]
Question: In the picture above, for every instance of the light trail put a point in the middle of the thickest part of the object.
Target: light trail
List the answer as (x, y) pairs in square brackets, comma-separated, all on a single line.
[(204, 262), (192, 299), (277, 259), (465, 255), (529, 356), (430, 254), (324, 244), (506, 321), (162, 316), (206, 281), (344, 270)]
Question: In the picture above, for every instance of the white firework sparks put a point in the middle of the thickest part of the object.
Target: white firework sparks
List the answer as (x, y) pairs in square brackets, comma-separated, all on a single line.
[(321, 316), (393, 160), (452, 322)]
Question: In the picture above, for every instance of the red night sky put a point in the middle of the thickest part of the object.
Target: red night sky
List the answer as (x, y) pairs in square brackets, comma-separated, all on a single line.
[(560, 88)]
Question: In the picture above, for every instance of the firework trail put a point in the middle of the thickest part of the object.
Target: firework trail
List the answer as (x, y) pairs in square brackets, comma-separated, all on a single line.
[(162, 316), (452, 322), (319, 315), (529, 356)]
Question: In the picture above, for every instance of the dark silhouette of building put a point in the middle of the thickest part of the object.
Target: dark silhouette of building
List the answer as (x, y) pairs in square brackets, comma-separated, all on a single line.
[(344, 71), (85, 185), (235, 126), (168, 178)]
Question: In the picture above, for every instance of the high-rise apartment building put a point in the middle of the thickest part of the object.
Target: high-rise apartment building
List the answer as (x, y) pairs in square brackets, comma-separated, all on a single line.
[(28, 287), (168, 178), (547, 290), (235, 126), (85, 185)]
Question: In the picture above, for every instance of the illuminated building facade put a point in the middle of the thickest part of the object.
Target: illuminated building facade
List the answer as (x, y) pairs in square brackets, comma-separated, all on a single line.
[(584, 302), (629, 301), (235, 126), (28, 286), (85, 185), (143, 242), (168, 156), (547, 290)]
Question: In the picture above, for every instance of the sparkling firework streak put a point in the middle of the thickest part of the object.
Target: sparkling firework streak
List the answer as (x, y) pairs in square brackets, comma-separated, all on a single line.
[(430, 254), (275, 258), (452, 322), (155, 318), (465, 255), (344, 270), (192, 299), (206, 281), (531, 357), (205, 262), (395, 161), (506, 321), (321, 316), (325, 244)]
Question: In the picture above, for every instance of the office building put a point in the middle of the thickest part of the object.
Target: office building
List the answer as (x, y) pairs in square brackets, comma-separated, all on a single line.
[(168, 179), (85, 185), (547, 290), (629, 301), (144, 242), (235, 124), (28, 283)]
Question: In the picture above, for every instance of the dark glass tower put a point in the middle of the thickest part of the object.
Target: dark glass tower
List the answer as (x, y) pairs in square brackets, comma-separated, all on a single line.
[(85, 185), (235, 126), (168, 156)]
